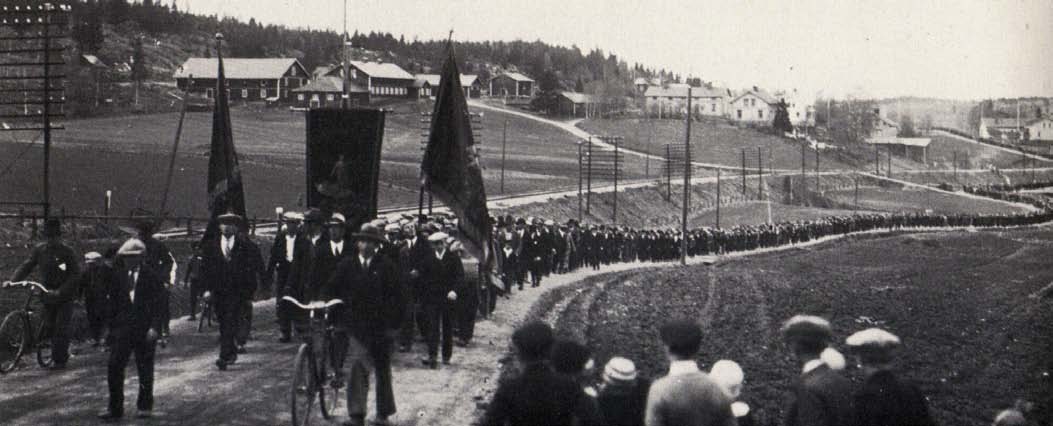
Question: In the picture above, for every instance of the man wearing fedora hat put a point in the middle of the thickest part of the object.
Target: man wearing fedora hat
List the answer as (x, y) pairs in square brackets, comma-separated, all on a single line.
[(305, 251), (136, 317), (232, 266), (369, 322), (59, 269), (283, 252)]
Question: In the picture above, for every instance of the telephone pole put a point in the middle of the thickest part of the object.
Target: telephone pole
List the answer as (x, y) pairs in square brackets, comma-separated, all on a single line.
[(687, 183)]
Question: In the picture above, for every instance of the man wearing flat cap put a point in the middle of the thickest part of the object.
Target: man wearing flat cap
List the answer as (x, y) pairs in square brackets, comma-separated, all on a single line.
[(820, 396), (283, 253), (441, 283), (884, 399), (59, 268), (160, 258), (136, 317), (231, 267), (368, 283)]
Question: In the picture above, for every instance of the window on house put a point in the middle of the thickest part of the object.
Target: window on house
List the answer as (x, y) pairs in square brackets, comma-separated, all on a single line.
[(760, 113), (299, 97), (244, 93), (330, 97), (713, 107), (208, 93), (263, 93), (740, 114)]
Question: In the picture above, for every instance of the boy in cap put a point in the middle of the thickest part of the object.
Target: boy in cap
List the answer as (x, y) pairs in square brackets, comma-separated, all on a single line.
[(686, 396), (538, 395), (884, 399), (59, 268), (820, 396), (96, 279), (136, 316), (622, 396)]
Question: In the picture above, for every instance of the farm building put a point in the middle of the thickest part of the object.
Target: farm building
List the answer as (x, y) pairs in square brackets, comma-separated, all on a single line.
[(672, 100), (753, 105), (1004, 129), (1040, 129), (255, 79), (326, 91), (425, 85), (883, 127), (512, 84), (913, 148), (573, 104), (379, 78)]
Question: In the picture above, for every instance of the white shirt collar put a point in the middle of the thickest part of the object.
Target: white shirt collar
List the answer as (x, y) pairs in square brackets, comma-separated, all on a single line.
[(315, 238), (679, 368), (337, 246), (362, 259), (811, 365), (440, 254)]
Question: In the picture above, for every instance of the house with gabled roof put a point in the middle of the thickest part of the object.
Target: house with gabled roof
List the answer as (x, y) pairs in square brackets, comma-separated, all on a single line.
[(753, 105), (427, 84), (1039, 129), (248, 79), (512, 84), (327, 91), (671, 100), (381, 79)]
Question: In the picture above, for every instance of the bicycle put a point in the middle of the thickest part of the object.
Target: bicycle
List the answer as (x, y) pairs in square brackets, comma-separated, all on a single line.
[(312, 365), (207, 316), (15, 336)]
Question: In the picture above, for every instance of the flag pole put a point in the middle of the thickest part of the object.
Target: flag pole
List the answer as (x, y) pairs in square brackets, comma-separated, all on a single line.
[(687, 183), (175, 150)]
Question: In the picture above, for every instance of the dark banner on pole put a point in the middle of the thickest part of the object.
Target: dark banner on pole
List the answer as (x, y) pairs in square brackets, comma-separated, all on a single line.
[(343, 162)]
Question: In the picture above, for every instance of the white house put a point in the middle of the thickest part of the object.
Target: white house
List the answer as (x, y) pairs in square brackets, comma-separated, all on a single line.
[(672, 100), (753, 105), (1040, 129), (801, 108)]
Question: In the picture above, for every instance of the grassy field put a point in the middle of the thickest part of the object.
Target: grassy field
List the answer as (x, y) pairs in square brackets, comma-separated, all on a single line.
[(972, 338), (713, 141), (918, 201), (129, 155), (973, 156)]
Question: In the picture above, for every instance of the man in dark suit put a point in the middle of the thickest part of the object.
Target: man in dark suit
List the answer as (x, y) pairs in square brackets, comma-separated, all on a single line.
[(442, 279), (411, 251), (368, 283), (231, 266), (283, 253), (821, 396), (160, 259), (533, 253), (95, 282), (312, 236), (136, 316), (884, 399), (59, 268), (538, 396)]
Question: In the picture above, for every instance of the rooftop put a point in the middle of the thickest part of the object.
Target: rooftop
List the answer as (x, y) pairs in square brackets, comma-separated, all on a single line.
[(237, 68)]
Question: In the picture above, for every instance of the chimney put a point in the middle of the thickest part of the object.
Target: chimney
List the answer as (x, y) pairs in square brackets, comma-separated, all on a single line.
[(755, 89)]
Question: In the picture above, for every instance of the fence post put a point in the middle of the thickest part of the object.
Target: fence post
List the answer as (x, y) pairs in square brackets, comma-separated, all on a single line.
[(254, 226)]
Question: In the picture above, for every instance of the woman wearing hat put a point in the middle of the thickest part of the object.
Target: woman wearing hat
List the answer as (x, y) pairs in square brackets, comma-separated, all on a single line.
[(59, 268)]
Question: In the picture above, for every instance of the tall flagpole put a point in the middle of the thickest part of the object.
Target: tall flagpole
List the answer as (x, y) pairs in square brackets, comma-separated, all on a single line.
[(687, 183)]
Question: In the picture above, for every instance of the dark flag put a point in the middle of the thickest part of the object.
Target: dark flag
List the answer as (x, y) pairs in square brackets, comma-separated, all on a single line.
[(451, 170), (225, 192), (343, 162)]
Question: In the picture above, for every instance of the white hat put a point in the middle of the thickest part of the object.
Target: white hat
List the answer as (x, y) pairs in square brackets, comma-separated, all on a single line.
[(873, 338), (727, 373), (132, 247), (92, 256), (807, 327), (337, 218), (293, 216), (438, 237), (619, 370), (833, 359), (550, 222), (392, 227)]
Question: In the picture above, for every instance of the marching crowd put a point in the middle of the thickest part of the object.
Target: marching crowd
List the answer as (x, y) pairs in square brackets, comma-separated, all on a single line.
[(406, 278)]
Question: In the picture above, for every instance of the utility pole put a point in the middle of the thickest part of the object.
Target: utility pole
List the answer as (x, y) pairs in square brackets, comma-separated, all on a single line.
[(816, 169), (580, 162), (857, 190), (614, 214), (718, 198), (889, 148), (955, 166), (687, 183), (877, 161), (668, 174), (744, 172), (588, 193), (760, 175), (504, 137)]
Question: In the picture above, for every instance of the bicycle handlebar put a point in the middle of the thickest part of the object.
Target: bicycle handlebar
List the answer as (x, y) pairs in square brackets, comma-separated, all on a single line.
[(29, 284), (313, 306)]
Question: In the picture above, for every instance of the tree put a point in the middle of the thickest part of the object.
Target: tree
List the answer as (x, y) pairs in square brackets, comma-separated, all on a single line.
[(782, 118), (547, 99), (906, 126), (579, 86), (87, 26)]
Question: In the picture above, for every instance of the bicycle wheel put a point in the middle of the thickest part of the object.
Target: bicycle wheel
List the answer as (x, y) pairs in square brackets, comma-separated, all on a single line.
[(324, 380), (44, 353), (303, 387), (14, 339)]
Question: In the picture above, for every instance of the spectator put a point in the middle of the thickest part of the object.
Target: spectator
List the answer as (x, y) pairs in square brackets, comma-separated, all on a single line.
[(538, 396), (833, 359), (1016, 416), (730, 376), (821, 396), (686, 396), (884, 399), (573, 360), (96, 279), (622, 396)]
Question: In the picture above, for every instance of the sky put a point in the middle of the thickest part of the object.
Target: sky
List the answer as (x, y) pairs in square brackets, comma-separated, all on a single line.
[(963, 49)]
